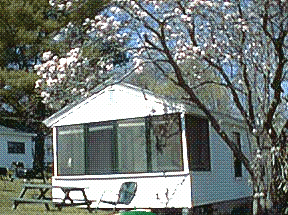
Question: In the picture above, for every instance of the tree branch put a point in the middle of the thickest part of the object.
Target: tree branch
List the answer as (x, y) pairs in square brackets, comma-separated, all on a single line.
[(194, 99)]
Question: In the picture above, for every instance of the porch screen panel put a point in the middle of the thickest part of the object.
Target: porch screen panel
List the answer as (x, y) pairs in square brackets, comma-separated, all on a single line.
[(166, 143), (71, 150), (100, 149), (132, 146)]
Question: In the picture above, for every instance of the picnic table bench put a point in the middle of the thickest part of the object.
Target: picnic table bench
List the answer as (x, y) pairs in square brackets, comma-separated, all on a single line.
[(4, 176), (73, 202), (41, 198)]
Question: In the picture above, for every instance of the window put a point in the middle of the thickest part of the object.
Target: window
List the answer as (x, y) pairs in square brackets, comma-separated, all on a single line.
[(131, 146), (16, 147), (100, 149), (237, 162), (197, 134), (166, 148), (71, 150)]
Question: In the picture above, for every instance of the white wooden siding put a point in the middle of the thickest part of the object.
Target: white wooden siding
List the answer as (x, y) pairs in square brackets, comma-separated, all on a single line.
[(6, 158), (219, 184), (151, 189)]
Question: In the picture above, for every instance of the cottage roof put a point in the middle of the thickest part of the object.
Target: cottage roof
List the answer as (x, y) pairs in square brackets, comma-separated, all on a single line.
[(10, 131), (118, 101)]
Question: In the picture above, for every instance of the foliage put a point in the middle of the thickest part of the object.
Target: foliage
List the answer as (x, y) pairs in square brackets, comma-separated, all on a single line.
[(28, 27), (243, 43), (24, 26), (21, 107)]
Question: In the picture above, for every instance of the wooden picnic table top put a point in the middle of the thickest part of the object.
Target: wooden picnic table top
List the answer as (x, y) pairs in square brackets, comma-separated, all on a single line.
[(37, 186)]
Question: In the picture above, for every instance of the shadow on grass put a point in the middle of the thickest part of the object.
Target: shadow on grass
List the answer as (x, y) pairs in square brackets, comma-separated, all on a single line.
[(6, 190)]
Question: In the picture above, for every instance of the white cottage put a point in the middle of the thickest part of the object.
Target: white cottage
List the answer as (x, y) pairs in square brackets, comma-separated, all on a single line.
[(125, 134), (16, 146)]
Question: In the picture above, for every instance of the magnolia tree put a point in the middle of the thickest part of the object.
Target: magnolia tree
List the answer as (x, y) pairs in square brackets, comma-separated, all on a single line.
[(244, 43)]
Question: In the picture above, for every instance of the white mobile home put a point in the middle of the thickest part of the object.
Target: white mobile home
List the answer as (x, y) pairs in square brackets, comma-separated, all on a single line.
[(16, 146), (125, 134)]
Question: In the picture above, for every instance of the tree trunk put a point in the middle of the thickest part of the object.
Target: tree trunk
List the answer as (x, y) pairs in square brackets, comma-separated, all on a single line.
[(38, 164)]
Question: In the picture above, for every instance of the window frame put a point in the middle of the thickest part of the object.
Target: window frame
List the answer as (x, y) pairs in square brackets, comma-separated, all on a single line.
[(192, 167), (80, 128), (159, 124), (16, 149)]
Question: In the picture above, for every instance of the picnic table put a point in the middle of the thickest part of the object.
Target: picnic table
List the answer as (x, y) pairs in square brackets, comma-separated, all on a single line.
[(42, 198)]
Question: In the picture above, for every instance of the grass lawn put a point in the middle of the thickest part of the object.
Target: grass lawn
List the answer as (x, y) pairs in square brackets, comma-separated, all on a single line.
[(9, 190)]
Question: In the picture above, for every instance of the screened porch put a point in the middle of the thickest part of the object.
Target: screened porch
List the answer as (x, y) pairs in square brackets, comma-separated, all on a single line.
[(138, 145)]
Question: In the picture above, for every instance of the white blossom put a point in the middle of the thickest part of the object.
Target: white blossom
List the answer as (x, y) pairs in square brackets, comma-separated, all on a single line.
[(47, 55), (227, 4), (61, 6)]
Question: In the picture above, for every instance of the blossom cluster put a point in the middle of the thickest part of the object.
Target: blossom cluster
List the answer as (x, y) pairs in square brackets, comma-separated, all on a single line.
[(62, 5), (105, 28), (54, 70)]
